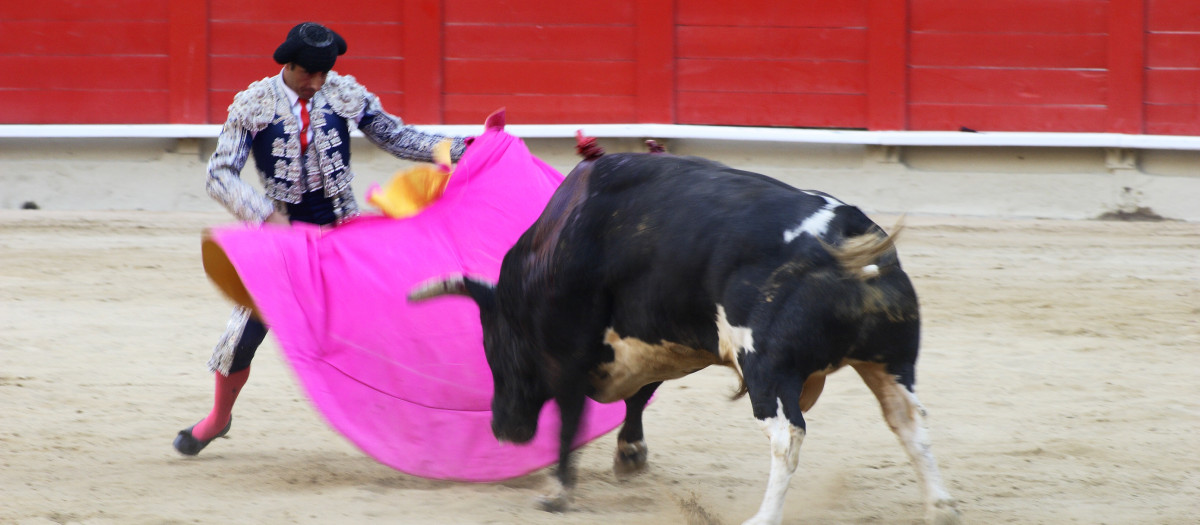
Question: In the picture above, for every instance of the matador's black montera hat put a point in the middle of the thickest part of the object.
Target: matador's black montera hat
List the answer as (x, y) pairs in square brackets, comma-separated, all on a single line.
[(312, 46)]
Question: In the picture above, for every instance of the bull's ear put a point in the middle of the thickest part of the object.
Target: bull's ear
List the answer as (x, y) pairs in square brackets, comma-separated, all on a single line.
[(483, 292)]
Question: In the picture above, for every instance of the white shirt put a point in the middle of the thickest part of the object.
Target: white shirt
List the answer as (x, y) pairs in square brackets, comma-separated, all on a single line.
[(294, 98)]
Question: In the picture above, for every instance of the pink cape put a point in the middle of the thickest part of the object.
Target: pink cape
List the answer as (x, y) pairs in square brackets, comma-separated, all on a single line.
[(408, 384)]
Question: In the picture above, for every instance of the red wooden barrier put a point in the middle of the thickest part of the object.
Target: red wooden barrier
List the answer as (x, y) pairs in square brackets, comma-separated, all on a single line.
[(1127, 66), (1172, 74), (1008, 65), (767, 63), (83, 62), (547, 61)]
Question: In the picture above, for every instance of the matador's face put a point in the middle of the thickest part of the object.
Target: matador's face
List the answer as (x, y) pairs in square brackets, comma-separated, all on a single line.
[(304, 82)]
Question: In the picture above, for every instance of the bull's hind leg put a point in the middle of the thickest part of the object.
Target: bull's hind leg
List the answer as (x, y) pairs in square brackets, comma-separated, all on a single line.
[(632, 452), (906, 417), (779, 416)]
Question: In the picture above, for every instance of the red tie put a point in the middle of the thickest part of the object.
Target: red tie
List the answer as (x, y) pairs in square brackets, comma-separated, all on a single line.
[(303, 125)]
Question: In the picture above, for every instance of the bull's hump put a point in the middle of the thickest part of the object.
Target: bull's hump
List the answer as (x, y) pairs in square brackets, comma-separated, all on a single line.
[(817, 222), (568, 198)]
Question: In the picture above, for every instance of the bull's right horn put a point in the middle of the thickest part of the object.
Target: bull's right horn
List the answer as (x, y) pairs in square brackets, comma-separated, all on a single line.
[(450, 285), (453, 285)]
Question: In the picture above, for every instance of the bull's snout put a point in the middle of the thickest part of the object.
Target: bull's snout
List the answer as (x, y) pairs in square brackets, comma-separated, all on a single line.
[(513, 433)]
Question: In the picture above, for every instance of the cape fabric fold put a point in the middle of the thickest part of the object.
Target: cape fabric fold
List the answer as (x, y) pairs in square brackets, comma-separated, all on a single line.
[(408, 384)]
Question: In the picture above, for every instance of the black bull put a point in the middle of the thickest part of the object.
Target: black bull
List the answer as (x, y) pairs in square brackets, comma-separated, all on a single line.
[(648, 267)]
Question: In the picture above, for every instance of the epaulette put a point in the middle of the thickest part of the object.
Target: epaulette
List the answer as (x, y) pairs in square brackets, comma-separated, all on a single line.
[(345, 95), (254, 108)]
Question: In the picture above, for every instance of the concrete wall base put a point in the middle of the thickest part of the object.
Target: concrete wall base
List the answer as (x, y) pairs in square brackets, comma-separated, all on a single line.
[(168, 174)]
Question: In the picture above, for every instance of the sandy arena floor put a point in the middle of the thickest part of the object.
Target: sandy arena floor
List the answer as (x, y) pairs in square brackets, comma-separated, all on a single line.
[(1060, 367)]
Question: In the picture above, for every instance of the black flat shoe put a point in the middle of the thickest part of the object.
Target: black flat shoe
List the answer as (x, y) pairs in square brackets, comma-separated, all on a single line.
[(188, 445)]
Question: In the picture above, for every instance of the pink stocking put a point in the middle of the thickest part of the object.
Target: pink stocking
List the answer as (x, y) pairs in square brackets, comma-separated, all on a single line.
[(226, 393)]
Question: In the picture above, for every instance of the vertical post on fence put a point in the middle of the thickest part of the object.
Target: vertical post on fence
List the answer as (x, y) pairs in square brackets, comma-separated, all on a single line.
[(1126, 66), (887, 65), (187, 62), (655, 56), (423, 54)]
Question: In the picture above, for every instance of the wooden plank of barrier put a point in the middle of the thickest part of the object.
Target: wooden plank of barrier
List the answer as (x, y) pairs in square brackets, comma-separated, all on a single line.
[(1126, 66), (887, 65), (187, 62), (423, 70), (655, 58)]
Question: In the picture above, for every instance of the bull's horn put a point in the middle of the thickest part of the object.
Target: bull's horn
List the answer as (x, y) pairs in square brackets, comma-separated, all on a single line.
[(437, 287), (451, 285)]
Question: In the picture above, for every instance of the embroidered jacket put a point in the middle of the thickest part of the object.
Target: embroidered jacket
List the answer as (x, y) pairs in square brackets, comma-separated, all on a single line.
[(261, 123)]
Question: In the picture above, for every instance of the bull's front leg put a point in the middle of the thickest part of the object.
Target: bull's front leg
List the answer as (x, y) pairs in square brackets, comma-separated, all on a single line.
[(632, 452), (570, 410), (778, 412)]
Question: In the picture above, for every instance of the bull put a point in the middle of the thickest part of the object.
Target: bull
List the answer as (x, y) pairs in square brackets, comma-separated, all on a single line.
[(646, 267)]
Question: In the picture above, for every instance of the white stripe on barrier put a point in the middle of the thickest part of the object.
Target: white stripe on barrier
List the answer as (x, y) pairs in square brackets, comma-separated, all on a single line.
[(671, 131)]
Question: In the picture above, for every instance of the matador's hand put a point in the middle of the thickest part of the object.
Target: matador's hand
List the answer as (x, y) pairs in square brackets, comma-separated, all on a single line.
[(278, 218)]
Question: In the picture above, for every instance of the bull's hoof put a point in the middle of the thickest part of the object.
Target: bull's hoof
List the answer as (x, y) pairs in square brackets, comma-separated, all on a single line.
[(554, 502), (630, 458), (943, 512), (558, 500), (762, 520)]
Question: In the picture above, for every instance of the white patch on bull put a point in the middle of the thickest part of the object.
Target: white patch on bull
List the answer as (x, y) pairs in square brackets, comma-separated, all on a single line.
[(732, 340), (786, 439), (637, 363), (817, 223), (870, 270)]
